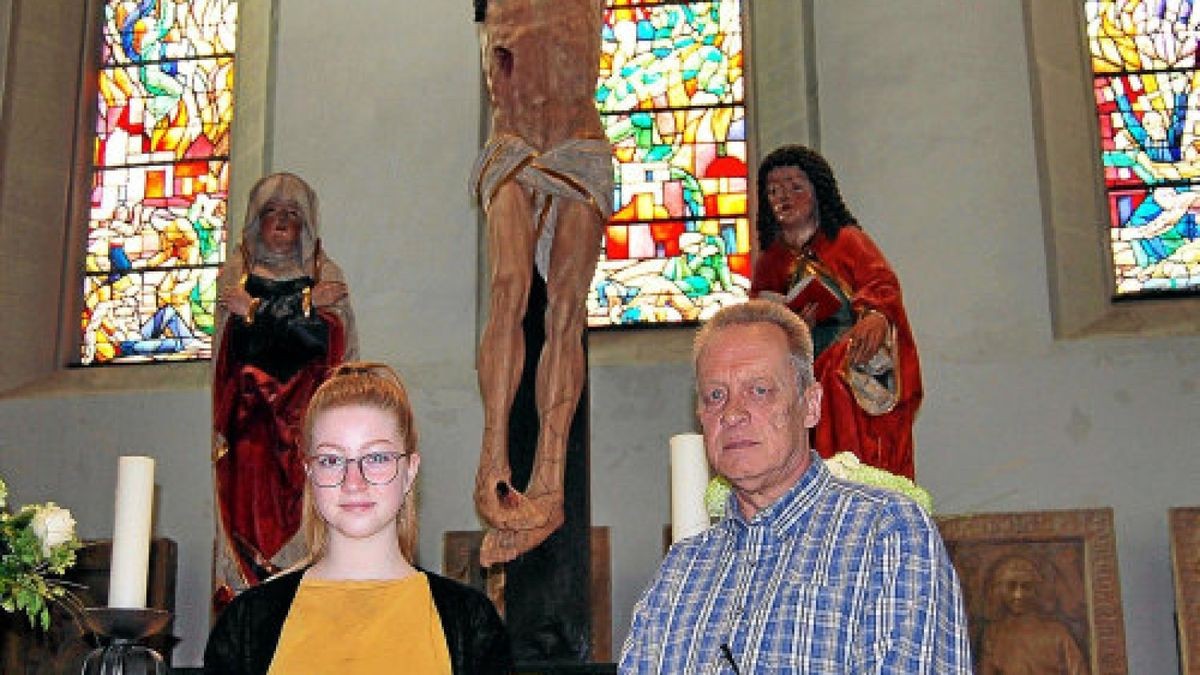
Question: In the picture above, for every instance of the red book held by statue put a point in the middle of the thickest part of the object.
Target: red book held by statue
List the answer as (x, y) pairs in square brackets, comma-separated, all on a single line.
[(811, 290)]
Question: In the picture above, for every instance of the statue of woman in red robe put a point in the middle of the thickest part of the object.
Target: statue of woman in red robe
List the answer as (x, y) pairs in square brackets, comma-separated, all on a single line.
[(283, 319), (866, 359)]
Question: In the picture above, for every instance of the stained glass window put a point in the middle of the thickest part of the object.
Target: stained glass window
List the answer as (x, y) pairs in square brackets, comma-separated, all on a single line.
[(160, 180), (672, 97), (1145, 81)]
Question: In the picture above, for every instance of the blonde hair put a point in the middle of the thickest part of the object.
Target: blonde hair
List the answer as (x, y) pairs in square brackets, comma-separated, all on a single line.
[(799, 339), (375, 385)]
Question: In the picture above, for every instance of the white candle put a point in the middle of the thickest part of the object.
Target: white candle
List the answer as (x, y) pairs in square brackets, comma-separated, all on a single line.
[(689, 479), (131, 533)]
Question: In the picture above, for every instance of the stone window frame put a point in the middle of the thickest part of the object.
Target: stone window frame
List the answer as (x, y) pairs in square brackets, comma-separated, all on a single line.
[(49, 93), (1074, 209)]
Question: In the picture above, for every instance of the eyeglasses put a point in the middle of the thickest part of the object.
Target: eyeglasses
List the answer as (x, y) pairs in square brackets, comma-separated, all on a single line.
[(377, 468)]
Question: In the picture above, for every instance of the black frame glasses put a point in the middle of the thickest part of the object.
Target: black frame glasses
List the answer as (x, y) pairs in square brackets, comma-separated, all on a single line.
[(318, 467)]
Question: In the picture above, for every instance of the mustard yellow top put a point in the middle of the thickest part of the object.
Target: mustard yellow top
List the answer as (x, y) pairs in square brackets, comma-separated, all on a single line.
[(353, 627)]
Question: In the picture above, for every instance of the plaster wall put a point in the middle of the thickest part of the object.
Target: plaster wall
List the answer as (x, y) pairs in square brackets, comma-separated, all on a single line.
[(925, 108)]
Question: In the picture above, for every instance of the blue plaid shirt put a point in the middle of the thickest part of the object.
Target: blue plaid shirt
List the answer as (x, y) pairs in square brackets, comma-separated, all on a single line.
[(835, 577)]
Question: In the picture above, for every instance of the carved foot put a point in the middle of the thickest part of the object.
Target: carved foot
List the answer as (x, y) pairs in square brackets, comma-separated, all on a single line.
[(501, 546), (504, 507)]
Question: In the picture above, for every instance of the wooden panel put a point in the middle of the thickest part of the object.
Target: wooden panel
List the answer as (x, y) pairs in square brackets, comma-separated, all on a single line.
[(1071, 559), (460, 560), (1185, 565), (601, 595)]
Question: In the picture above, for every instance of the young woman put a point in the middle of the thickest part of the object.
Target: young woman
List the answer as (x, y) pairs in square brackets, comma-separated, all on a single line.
[(358, 604)]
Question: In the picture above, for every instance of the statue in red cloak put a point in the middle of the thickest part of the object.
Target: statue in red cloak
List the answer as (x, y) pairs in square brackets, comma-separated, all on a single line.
[(283, 319), (866, 359)]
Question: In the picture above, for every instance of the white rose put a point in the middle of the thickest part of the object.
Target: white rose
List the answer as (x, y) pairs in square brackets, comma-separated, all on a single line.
[(53, 525)]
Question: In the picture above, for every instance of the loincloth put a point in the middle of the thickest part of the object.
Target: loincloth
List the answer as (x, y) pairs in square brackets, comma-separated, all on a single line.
[(579, 169)]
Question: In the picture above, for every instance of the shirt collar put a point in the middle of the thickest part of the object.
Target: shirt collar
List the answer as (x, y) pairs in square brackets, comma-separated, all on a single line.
[(785, 515)]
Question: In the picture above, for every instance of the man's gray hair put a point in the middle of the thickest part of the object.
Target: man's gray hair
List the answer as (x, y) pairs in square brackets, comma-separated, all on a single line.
[(799, 340)]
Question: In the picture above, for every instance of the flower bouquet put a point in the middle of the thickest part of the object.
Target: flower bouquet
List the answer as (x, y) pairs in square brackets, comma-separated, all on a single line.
[(844, 465), (37, 544)]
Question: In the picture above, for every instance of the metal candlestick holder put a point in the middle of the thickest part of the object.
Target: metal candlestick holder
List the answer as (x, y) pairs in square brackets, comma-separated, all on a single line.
[(121, 632)]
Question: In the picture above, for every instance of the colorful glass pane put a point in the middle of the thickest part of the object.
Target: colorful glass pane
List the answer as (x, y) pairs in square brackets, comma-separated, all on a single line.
[(681, 163), (154, 315), (671, 56), (671, 93), (145, 31), (1148, 107), (160, 180), (1153, 229)]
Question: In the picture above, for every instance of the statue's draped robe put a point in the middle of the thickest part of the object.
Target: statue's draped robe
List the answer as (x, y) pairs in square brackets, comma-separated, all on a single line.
[(853, 264)]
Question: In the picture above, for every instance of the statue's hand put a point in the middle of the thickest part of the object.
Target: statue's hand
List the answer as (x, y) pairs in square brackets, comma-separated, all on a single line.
[(867, 337), (326, 293), (235, 299)]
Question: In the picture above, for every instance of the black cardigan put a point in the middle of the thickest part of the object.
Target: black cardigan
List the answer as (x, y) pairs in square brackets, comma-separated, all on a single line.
[(244, 639)]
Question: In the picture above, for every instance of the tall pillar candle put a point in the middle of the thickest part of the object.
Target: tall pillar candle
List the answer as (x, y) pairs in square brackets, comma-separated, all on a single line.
[(131, 533), (689, 479)]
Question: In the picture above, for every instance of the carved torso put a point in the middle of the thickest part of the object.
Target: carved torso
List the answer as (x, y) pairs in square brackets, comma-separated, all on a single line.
[(539, 58)]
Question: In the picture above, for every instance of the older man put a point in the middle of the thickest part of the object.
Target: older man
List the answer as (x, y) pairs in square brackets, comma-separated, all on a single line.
[(806, 572)]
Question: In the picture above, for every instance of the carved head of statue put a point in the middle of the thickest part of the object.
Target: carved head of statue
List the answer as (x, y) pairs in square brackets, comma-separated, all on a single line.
[(282, 222)]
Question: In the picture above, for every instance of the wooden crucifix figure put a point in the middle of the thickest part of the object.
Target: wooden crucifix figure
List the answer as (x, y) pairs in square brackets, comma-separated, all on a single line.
[(544, 180)]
